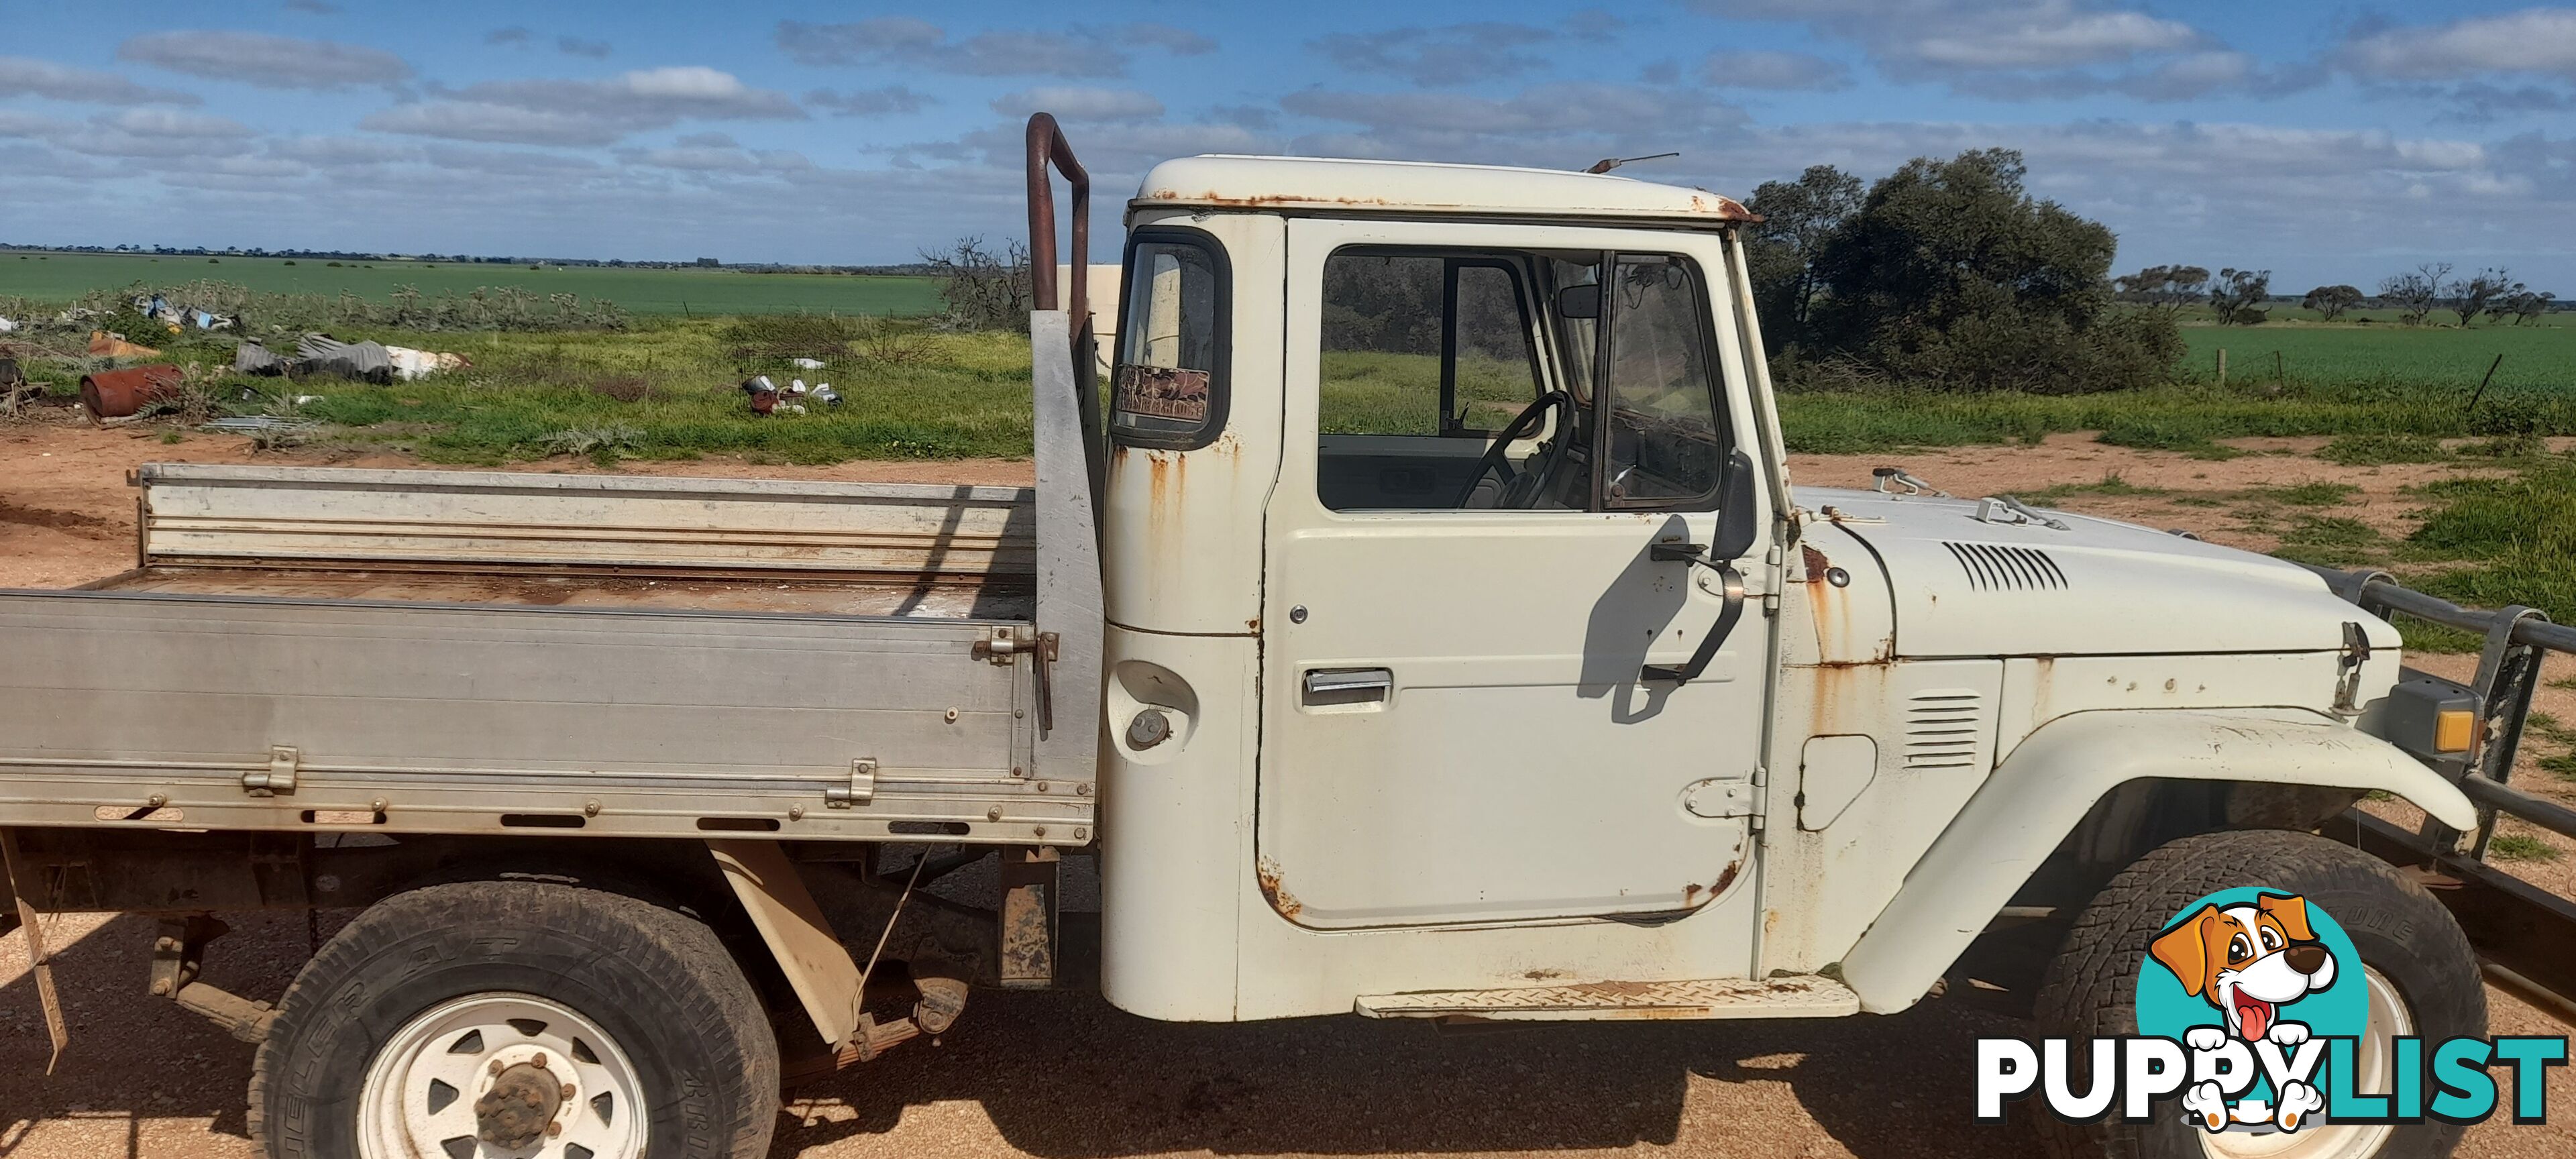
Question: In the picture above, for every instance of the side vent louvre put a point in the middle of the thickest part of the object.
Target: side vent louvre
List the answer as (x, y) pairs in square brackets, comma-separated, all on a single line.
[(1996, 567), (1943, 727)]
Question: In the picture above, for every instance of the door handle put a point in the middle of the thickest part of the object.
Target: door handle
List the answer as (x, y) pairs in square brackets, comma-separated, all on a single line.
[(1348, 685)]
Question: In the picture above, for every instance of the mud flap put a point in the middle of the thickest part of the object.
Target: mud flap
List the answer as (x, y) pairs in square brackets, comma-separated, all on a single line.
[(39, 960)]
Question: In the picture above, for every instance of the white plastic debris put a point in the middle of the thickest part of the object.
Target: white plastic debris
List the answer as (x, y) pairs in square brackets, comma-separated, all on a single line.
[(806, 363), (7, 325), (410, 364), (795, 386), (824, 394)]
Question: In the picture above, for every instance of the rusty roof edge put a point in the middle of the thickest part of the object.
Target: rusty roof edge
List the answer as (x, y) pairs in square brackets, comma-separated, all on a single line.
[(1726, 209)]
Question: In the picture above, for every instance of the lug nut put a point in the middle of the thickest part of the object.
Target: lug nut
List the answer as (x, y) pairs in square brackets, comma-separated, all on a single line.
[(538, 1062), (567, 1091), (496, 1067), (554, 1128)]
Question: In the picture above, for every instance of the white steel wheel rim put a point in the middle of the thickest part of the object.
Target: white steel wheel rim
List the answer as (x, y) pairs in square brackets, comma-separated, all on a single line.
[(2389, 1018), (419, 1098)]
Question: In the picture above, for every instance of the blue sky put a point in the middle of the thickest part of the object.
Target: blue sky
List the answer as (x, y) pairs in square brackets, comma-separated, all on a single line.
[(2328, 142)]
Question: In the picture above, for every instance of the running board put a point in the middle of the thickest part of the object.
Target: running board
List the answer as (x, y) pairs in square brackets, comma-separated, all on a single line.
[(1799, 996)]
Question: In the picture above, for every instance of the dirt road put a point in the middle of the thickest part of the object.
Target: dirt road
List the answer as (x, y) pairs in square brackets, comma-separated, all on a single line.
[(1063, 1076)]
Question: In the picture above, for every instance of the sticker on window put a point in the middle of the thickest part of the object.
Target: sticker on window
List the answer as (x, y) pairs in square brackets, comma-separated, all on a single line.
[(1163, 391)]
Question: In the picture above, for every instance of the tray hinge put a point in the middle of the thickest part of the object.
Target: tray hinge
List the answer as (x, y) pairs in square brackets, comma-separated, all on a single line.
[(861, 790), (280, 777)]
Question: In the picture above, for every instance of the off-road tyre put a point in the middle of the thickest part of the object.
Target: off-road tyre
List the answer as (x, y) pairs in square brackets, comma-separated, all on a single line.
[(656, 980), (2091, 990)]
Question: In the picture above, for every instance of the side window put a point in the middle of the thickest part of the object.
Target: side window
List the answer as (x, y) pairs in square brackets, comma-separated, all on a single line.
[(1168, 386), (1425, 357), (1380, 370), (1662, 433)]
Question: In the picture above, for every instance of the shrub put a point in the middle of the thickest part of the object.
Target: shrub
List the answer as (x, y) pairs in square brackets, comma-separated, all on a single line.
[(1950, 276)]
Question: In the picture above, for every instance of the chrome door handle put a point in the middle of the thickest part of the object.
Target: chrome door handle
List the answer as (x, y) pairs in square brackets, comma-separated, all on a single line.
[(1348, 685)]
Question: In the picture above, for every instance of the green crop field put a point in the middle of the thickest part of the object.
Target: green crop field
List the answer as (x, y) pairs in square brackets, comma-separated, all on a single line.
[(2536, 356), (61, 277)]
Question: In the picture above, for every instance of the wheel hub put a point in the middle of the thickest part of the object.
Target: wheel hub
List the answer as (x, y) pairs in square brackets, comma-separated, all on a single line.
[(520, 1107)]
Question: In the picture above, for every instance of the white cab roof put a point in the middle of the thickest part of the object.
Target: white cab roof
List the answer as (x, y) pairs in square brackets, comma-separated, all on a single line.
[(1236, 182)]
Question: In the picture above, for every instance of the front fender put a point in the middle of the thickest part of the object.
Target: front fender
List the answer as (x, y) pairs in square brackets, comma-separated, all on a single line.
[(2038, 795)]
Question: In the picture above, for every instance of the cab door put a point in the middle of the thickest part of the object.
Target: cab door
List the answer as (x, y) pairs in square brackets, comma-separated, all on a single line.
[(1475, 551)]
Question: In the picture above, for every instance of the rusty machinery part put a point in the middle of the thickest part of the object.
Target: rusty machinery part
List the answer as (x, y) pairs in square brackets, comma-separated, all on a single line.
[(522, 1104), (116, 394), (178, 957), (1028, 920), (17, 875), (945, 947), (1046, 145)]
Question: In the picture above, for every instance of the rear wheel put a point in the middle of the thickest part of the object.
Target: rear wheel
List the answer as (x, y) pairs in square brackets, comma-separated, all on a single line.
[(2422, 981), (524, 1019)]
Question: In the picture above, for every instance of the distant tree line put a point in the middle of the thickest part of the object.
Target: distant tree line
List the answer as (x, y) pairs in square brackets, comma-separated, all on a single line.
[(2241, 297), (1945, 275)]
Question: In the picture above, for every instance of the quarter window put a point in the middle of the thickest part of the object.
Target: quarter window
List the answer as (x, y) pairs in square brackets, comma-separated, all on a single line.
[(1167, 388)]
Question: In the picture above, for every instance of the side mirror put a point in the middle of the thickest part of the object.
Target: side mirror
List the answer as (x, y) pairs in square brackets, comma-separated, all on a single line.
[(1582, 301), (1737, 529)]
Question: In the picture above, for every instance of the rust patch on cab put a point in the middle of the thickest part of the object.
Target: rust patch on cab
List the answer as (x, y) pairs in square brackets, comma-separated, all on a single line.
[(1274, 891)]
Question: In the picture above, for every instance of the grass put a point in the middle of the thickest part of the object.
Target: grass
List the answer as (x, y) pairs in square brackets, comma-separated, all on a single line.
[(2109, 484), (2316, 494), (669, 388), (2377, 449), (2329, 541), (1375, 393), (61, 277), (2520, 847), (2536, 356), (2185, 417)]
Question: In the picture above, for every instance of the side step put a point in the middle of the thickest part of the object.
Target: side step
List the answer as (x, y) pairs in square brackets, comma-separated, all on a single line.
[(1798, 996)]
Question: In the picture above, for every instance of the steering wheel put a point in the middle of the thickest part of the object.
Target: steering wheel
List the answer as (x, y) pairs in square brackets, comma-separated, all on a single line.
[(1522, 426)]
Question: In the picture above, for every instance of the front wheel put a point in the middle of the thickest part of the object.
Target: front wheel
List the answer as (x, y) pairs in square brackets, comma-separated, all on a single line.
[(525, 1019), (2417, 973)]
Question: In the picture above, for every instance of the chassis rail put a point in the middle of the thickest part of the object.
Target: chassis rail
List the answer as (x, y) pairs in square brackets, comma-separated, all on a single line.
[(2525, 935)]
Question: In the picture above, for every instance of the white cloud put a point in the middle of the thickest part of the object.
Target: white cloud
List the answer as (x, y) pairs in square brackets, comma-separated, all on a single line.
[(2012, 49), (496, 124), (870, 102), (719, 159), (1553, 125), (21, 76), (265, 61), (135, 133), (910, 42), (584, 112), (1177, 41), (1081, 104), (2065, 38), (2535, 40), (1458, 54), (1774, 70), (337, 152)]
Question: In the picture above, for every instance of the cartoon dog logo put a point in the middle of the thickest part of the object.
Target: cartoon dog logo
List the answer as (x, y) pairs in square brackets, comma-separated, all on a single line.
[(2249, 961)]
